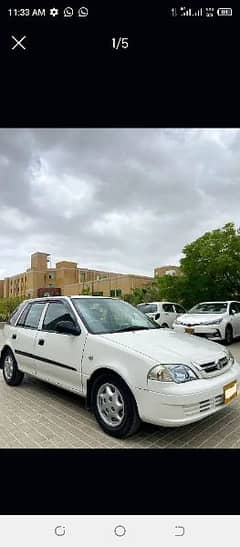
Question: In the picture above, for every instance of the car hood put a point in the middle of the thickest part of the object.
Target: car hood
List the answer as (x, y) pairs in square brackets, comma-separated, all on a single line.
[(199, 318), (167, 345)]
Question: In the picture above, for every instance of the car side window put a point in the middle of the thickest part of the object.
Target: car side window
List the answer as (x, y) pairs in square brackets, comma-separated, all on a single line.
[(16, 313), (33, 315), (56, 312), (168, 308), (179, 309), (22, 316), (234, 308)]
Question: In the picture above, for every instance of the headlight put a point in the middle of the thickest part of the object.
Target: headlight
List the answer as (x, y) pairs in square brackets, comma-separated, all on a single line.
[(172, 373), (214, 322), (230, 356)]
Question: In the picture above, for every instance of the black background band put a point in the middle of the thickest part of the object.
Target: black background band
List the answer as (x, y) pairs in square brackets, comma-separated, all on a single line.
[(176, 71), (143, 482)]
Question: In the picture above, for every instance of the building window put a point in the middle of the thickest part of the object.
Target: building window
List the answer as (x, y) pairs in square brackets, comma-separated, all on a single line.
[(116, 292)]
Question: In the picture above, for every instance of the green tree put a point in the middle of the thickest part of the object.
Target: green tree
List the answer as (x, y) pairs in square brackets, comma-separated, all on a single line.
[(137, 296), (209, 270), (86, 291), (8, 305), (211, 266)]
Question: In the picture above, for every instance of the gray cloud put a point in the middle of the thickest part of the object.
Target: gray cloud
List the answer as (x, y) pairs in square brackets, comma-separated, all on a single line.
[(121, 199)]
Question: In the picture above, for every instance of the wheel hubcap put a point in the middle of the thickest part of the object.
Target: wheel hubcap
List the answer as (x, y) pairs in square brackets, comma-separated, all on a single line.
[(110, 404), (8, 367)]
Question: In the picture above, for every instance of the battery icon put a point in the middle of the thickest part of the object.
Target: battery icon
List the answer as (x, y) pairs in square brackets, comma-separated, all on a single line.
[(224, 11)]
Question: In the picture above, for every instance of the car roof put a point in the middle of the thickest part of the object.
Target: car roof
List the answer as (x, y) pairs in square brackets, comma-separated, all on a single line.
[(217, 302), (54, 298), (158, 302)]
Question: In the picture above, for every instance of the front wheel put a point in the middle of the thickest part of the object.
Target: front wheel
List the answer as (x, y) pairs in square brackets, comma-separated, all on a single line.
[(114, 406), (11, 374)]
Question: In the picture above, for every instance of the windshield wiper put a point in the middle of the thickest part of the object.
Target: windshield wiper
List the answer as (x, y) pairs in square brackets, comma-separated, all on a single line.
[(131, 327)]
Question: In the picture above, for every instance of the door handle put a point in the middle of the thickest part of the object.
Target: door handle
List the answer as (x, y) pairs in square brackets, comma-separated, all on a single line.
[(14, 336), (41, 342)]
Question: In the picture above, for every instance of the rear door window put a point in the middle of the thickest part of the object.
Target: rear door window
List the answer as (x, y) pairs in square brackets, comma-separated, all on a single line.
[(33, 315), (16, 313), (23, 315)]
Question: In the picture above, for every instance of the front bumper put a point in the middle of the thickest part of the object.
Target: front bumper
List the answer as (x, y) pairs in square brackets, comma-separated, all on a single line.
[(206, 331), (182, 404)]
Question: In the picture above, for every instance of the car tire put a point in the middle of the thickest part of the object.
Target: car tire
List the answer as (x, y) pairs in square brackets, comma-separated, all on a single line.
[(165, 326), (121, 419), (228, 335), (12, 375)]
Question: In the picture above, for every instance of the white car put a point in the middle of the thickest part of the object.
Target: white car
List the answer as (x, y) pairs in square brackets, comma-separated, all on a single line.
[(164, 313), (214, 320), (124, 364)]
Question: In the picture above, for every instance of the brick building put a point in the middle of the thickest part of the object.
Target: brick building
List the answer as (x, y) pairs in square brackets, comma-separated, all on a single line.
[(67, 278)]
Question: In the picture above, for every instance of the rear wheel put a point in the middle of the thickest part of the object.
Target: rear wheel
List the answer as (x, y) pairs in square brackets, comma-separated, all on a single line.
[(228, 335), (165, 326), (114, 406), (11, 374)]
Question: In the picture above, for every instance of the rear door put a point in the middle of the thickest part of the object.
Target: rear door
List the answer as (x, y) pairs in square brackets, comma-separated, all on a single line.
[(23, 336), (59, 355), (169, 314)]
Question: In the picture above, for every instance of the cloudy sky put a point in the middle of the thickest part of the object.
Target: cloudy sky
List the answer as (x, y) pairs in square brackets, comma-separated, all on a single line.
[(126, 200)]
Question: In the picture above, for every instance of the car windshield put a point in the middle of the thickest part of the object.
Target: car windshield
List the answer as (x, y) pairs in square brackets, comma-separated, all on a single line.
[(147, 308), (107, 315), (210, 307)]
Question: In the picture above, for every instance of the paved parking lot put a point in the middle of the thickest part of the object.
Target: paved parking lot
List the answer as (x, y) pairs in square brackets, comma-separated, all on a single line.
[(37, 415)]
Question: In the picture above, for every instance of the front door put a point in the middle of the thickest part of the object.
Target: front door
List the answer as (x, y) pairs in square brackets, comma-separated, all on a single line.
[(235, 317), (59, 356), (169, 314)]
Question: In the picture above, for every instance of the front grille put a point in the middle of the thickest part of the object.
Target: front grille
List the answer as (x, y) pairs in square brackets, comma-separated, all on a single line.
[(215, 365), (204, 406), (189, 324)]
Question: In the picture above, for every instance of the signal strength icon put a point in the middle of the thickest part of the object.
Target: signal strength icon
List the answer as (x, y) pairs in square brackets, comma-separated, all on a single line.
[(198, 13)]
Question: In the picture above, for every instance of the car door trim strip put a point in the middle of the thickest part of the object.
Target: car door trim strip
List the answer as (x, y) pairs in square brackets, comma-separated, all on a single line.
[(49, 361)]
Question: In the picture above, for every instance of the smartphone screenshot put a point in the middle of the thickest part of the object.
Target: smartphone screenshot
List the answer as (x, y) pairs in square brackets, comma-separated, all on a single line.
[(119, 274)]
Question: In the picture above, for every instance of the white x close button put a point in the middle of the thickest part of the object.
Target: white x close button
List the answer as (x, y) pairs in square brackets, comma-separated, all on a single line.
[(18, 42)]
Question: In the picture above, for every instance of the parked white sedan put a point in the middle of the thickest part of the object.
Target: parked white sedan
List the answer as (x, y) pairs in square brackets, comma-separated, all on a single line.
[(214, 320), (127, 367)]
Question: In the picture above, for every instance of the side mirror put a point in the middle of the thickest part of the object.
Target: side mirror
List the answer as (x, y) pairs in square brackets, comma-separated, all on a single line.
[(233, 312), (68, 327)]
